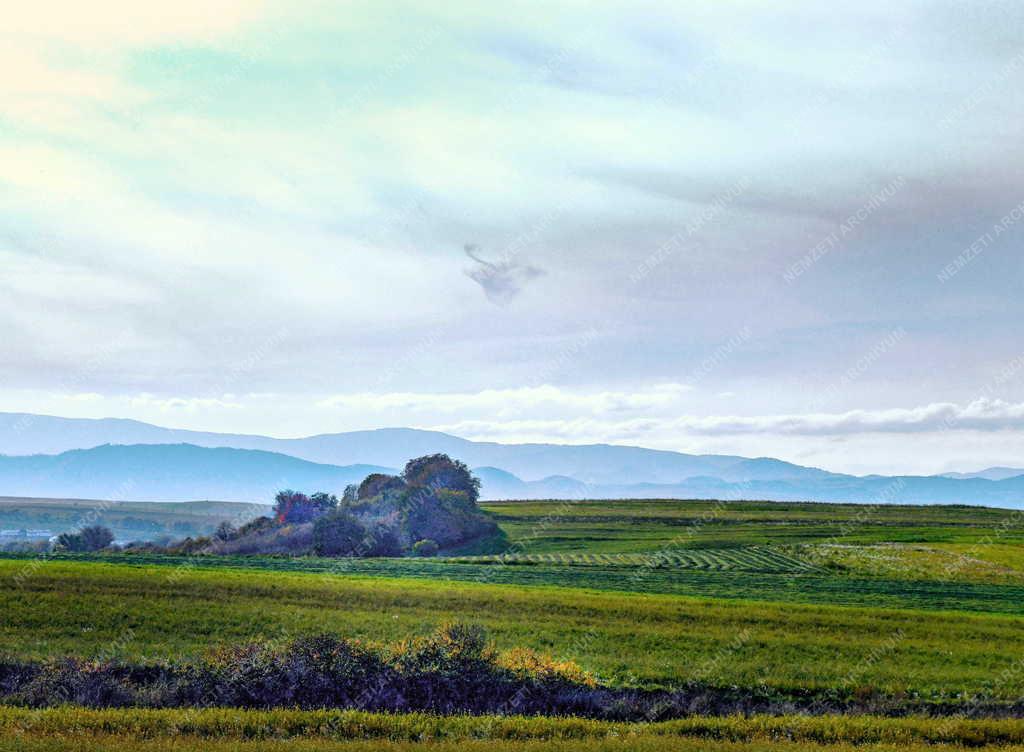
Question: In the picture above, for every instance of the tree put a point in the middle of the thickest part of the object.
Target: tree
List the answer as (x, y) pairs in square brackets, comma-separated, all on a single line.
[(338, 534), (225, 531), (323, 502), (92, 538), (384, 541), (376, 484), (69, 542), (437, 471), (96, 537), (287, 504), (292, 507)]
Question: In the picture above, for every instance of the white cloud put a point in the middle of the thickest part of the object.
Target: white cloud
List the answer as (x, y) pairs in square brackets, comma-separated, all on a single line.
[(513, 401), (198, 175), (979, 415), (186, 404)]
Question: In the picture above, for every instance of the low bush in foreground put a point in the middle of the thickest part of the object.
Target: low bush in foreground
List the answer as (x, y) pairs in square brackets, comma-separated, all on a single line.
[(454, 671)]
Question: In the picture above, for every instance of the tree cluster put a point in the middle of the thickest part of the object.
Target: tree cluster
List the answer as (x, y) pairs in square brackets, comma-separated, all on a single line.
[(92, 538), (430, 506)]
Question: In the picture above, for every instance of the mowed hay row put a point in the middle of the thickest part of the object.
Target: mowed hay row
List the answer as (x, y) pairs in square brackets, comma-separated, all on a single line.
[(748, 559)]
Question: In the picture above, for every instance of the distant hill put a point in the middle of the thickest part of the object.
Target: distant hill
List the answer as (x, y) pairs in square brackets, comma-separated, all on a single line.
[(168, 464), (22, 434), (991, 473), (1008, 493), (25, 518), (171, 472)]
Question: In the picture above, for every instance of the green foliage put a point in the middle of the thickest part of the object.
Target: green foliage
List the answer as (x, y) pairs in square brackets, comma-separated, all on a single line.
[(439, 471), (291, 507), (339, 534), (376, 484), (384, 542), (445, 516), (258, 525), (91, 538), (425, 547)]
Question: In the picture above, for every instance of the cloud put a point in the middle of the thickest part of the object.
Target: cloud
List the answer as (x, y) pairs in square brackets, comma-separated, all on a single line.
[(512, 401), (501, 281), (188, 404), (198, 176), (984, 414)]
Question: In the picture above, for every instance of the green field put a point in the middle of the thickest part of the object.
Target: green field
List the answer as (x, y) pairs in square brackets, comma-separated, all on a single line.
[(83, 607), (925, 604), (218, 729), (611, 527)]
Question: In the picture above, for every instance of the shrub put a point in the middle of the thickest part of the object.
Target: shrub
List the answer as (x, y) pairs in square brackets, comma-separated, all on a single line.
[(92, 538), (528, 664), (338, 534), (425, 547), (258, 525)]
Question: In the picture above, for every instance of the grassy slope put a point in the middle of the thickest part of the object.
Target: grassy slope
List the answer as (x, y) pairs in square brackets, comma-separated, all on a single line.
[(815, 587), (639, 526), (154, 611), (319, 730)]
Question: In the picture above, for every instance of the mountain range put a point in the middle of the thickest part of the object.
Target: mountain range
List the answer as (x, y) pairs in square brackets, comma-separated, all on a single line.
[(49, 456)]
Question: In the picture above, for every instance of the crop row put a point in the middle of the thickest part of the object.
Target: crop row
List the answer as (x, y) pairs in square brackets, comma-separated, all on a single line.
[(748, 559), (794, 587)]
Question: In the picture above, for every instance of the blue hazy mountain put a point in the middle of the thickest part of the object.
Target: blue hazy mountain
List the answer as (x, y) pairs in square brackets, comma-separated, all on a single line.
[(22, 434), (150, 462), (170, 472), (989, 473)]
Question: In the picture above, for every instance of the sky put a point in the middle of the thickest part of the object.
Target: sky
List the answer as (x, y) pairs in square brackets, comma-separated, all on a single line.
[(787, 229)]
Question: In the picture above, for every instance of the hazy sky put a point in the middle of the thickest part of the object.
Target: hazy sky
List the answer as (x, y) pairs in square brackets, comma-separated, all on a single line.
[(786, 229)]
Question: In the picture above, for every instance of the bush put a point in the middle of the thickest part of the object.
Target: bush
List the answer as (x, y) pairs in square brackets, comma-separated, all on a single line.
[(425, 547), (338, 534), (258, 525), (453, 670), (293, 507), (92, 538)]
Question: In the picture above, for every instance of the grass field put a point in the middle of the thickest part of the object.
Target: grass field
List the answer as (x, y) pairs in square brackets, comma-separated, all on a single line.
[(643, 526), (83, 608), (347, 730), (924, 603)]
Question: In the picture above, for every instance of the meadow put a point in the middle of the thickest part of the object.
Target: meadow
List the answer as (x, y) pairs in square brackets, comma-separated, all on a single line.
[(216, 729), (920, 605)]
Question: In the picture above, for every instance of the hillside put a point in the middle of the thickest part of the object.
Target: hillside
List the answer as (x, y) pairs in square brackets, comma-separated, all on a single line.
[(235, 467), (23, 434), (170, 472)]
